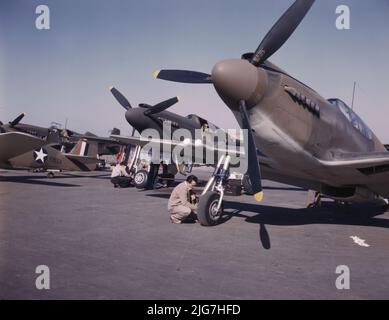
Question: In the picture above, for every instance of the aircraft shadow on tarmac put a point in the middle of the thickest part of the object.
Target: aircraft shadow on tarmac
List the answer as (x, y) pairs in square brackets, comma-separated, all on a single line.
[(43, 180), (159, 195), (103, 176), (284, 189), (37, 180), (329, 213)]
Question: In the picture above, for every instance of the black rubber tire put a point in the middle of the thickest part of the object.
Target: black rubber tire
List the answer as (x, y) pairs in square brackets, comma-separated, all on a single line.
[(141, 179), (50, 175), (246, 184), (205, 213)]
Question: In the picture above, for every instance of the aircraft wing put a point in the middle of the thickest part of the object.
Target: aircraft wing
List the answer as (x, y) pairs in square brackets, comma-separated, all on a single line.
[(78, 157), (163, 143), (370, 169), (13, 144), (84, 163), (360, 160), (135, 141), (100, 139)]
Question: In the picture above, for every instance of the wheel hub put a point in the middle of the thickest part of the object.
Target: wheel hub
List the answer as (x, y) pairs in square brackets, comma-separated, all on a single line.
[(213, 210), (139, 178)]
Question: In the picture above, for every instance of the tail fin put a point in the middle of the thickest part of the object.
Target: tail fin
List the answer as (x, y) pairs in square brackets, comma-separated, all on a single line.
[(90, 134), (115, 132), (85, 149)]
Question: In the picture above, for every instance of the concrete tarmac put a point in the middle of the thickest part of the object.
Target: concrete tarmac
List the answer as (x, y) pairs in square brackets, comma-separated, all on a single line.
[(106, 243)]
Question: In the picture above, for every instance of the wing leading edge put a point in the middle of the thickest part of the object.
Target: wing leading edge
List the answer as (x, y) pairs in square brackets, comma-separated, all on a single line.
[(369, 169)]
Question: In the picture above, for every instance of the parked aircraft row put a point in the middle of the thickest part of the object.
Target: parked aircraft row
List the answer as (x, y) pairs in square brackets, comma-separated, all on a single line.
[(26, 146), (294, 135)]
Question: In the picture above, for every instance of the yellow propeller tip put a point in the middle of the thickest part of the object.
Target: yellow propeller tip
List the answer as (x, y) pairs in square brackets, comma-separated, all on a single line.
[(156, 73), (179, 98), (259, 197), (110, 88)]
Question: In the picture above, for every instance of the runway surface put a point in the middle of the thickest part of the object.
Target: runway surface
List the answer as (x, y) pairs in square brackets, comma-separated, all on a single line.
[(106, 243)]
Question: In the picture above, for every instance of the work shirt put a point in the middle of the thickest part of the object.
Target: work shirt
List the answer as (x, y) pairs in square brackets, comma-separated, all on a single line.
[(180, 196), (119, 171)]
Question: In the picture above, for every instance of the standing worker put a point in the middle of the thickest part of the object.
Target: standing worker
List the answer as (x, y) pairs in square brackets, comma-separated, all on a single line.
[(182, 204)]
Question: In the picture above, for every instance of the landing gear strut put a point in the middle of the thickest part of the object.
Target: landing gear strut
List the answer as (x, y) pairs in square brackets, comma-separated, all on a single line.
[(316, 201), (210, 208)]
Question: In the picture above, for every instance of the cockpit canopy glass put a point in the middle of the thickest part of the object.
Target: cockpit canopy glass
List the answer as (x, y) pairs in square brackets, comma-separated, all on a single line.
[(353, 118)]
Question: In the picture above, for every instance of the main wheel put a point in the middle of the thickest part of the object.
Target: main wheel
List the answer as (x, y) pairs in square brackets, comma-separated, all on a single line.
[(141, 179), (50, 175), (207, 211)]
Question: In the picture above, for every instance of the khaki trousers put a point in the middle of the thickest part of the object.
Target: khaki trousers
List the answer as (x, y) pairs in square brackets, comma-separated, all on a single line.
[(180, 212)]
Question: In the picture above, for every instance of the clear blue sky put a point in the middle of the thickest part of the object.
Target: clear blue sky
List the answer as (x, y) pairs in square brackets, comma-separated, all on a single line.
[(65, 72)]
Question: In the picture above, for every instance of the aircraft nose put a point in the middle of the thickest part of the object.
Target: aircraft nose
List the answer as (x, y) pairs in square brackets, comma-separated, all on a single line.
[(239, 80), (132, 117)]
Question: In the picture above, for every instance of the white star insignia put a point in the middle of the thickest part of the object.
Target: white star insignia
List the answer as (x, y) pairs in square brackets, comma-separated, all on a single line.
[(40, 155)]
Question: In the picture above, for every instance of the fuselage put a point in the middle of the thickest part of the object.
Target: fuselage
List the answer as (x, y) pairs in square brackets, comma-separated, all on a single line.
[(293, 125), (166, 122)]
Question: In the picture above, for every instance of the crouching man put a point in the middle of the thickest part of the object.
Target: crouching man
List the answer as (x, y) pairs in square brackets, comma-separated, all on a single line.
[(182, 204), (120, 177)]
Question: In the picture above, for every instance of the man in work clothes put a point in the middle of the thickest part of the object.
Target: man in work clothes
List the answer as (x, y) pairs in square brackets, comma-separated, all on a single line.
[(181, 205), (120, 177)]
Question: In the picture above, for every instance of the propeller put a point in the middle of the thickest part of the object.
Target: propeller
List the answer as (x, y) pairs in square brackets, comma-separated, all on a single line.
[(161, 106), (182, 76), (253, 170), (281, 31), (120, 98), (273, 41), (17, 120), (133, 113), (150, 110)]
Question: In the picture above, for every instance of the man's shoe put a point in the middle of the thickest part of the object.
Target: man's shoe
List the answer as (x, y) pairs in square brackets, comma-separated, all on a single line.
[(175, 220)]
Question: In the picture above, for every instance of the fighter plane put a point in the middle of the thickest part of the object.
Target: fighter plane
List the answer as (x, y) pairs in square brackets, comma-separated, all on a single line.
[(25, 146), (312, 142), (157, 117)]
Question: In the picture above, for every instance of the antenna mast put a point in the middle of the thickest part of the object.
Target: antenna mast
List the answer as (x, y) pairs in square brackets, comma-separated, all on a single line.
[(352, 103)]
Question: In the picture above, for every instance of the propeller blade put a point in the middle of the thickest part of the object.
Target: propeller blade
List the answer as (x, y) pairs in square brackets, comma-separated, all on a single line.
[(183, 76), (133, 132), (144, 106), (161, 106), (120, 98), (281, 31), (17, 120), (253, 171)]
